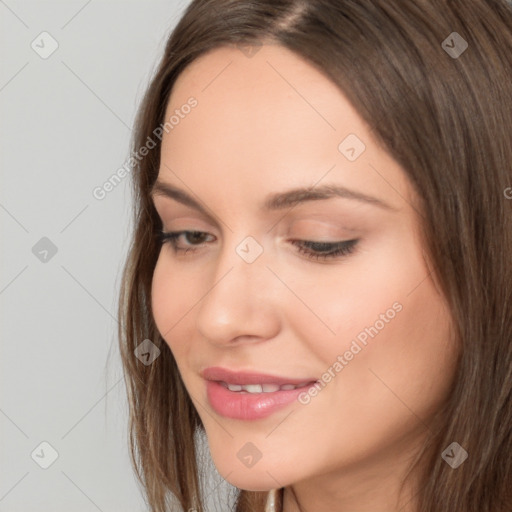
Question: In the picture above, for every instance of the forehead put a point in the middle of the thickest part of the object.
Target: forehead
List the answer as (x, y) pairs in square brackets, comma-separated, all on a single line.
[(271, 118), (270, 65), (275, 83), (273, 91)]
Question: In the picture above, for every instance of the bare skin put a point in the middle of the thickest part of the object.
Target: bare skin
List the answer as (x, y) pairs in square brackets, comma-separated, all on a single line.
[(263, 125)]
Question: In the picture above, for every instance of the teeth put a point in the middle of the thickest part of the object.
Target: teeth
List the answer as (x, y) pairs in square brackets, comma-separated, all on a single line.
[(252, 388), (261, 388), (269, 388)]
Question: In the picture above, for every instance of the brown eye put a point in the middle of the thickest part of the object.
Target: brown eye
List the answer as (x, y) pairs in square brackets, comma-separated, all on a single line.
[(195, 238)]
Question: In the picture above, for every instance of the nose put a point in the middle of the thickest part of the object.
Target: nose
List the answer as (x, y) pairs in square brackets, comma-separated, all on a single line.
[(241, 300)]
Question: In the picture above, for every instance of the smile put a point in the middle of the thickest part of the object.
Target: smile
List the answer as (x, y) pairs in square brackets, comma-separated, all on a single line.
[(261, 388)]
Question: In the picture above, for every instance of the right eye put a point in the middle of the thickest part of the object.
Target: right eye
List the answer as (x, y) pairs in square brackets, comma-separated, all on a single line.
[(195, 238)]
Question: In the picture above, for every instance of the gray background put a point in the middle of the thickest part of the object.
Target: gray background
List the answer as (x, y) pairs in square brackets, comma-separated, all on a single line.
[(65, 126)]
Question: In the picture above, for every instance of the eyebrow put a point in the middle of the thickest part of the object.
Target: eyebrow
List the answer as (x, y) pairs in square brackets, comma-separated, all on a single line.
[(276, 201)]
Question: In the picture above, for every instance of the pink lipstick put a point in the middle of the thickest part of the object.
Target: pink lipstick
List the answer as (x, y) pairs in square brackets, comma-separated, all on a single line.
[(250, 395)]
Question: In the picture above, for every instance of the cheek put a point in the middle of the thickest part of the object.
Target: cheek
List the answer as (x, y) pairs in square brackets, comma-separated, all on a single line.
[(392, 330), (399, 378), (172, 297), (359, 299)]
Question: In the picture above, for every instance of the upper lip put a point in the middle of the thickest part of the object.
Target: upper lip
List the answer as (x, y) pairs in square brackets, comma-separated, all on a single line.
[(216, 373)]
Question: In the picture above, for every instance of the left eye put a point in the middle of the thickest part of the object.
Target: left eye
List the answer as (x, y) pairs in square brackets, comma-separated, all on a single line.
[(325, 250), (311, 249)]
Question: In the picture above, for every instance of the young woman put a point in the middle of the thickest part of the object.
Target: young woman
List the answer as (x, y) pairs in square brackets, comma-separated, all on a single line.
[(320, 279)]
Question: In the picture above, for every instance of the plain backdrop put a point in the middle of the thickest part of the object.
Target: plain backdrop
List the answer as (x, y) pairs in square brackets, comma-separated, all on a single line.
[(72, 76)]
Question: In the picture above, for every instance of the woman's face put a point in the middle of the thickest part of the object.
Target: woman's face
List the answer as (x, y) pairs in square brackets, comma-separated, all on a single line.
[(367, 323)]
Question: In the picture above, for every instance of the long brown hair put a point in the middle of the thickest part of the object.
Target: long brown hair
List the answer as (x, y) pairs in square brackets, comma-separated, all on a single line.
[(443, 111)]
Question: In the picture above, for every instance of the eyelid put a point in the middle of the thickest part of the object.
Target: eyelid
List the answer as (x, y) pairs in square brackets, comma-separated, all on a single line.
[(312, 224), (176, 211), (185, 223)]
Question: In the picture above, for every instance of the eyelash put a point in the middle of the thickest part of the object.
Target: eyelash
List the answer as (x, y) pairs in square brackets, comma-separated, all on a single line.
[(338, 249)]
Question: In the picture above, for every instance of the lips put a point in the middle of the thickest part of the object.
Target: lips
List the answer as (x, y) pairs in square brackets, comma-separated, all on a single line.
[(250, 395), (218, 374)]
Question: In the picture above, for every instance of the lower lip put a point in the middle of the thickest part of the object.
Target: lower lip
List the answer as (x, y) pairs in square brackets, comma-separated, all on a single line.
[(241, 405)]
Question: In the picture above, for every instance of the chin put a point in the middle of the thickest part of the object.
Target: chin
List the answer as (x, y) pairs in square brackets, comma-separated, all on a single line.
[(248, 479), (253, 484)]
